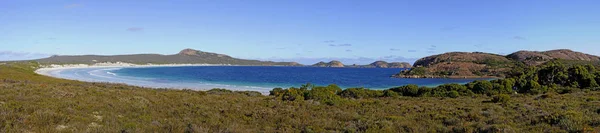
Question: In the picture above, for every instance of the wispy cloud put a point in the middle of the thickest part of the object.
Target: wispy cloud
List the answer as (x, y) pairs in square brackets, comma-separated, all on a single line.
[(135, 29), (519, 38), (395, 49), (11, 55), (412, 51), (432, 49), (449, 28), (329, 41), (340, 45), (76, 5), (348, 50)]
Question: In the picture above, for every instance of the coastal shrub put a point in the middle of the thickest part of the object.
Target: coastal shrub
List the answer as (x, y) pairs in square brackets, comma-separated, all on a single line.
[(359, 93), (533, 87), (501, 98), (249, 93), (453, 94), (584, 78), (570, 120), (276, 92), (327, 94), (390, 93), (407, 90), (504, 86), (219, 91), (461, 89), (481, 86), (293, 94), (597, 76)]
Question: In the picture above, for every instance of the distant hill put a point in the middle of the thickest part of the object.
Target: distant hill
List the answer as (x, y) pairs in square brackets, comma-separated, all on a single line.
[(186, 56), (333, 63), (484, 65), (376, 64), (536, 58), (383, 64)]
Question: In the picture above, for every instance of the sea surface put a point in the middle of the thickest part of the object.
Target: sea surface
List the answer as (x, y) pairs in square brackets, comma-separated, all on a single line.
[(253, 78)]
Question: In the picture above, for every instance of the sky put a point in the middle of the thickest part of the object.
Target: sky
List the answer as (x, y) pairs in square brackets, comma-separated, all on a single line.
[(306, 31)]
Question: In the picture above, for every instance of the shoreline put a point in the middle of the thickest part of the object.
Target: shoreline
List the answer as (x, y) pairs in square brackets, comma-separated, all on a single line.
[(52, 70), (45, 69), (97, 73)]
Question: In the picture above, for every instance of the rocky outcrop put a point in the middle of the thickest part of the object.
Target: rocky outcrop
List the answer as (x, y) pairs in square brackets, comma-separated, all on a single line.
[(333, 63), (536, 57), (484, 65), (475, 57)]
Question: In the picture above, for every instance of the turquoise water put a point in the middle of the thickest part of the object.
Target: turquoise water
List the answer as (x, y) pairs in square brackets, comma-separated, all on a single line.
[(254, 78)]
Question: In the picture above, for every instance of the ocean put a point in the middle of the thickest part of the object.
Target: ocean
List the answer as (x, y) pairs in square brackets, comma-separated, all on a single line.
[(253, 78)]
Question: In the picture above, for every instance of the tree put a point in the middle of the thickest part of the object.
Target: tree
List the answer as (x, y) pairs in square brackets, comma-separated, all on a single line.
[(533, 87), (582, 76), (553, 72), (504, 85), (482, 86)]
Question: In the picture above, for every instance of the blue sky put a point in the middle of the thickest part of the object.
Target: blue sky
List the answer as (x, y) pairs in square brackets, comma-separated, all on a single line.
[(304, 30)]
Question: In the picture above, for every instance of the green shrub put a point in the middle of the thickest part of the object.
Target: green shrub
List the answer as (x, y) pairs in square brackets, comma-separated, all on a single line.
[(293, 94), (390, 93), (326, 94), (219, 91), (407, 90), (276, 92), (482, 86), (359, 93), (249, 93), (501, 98), (461, 89), (453, 94)]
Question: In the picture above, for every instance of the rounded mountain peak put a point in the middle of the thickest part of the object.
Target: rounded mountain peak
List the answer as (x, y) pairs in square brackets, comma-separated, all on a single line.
[(189, 51)]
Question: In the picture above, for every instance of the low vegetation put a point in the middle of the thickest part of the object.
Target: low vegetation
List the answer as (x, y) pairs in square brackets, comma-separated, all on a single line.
[(545, 101)]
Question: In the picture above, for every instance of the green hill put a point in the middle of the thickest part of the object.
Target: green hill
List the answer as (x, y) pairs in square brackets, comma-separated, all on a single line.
[(186, 56)]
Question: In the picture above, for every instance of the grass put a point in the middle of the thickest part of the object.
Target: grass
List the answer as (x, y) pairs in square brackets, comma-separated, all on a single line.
[(34, 103)]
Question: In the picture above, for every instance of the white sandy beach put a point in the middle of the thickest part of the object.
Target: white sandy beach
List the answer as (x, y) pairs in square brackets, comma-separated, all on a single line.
[(91, 73), (47, 69)]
